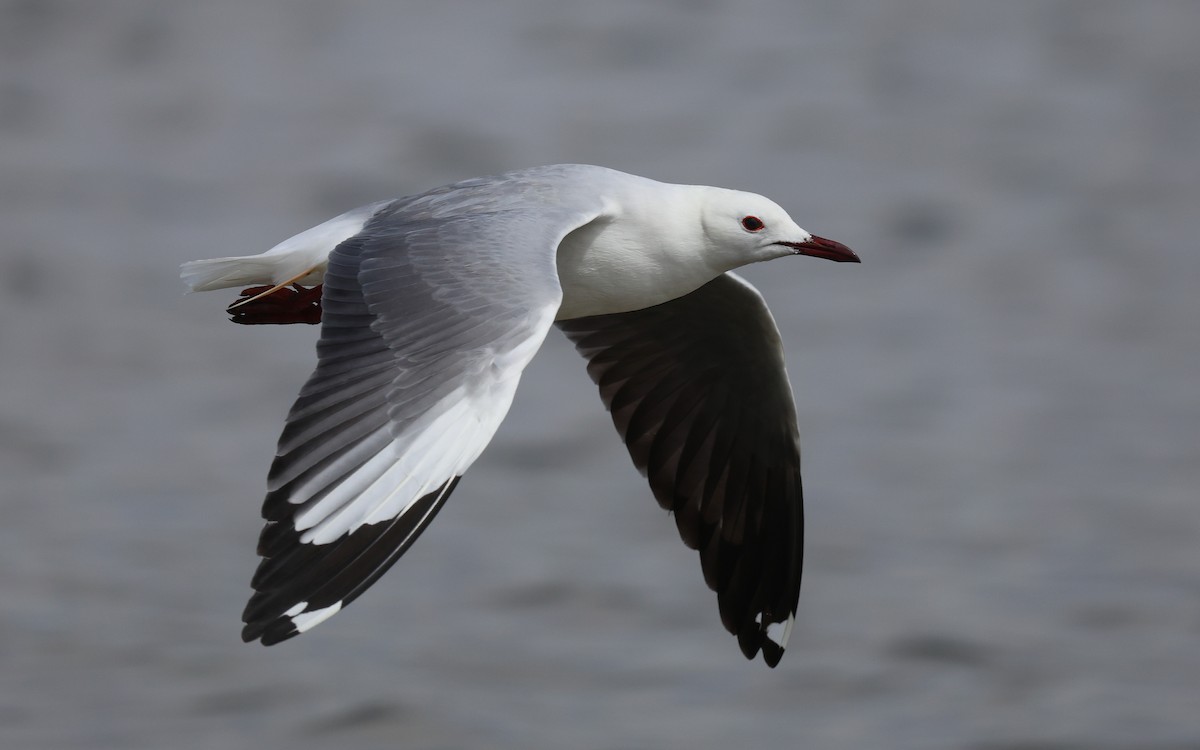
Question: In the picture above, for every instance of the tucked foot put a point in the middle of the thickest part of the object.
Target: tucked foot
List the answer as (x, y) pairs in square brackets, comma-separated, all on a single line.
[(265, 305)]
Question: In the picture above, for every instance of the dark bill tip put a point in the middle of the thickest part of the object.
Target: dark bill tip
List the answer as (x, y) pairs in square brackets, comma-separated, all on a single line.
[(819, 247)]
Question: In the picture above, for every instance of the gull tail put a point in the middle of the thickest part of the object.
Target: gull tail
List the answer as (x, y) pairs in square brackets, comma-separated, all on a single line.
[(300, 259), (222, 273)]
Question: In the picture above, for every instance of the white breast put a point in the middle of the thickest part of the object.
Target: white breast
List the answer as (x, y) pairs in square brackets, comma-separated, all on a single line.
[(630, 260)]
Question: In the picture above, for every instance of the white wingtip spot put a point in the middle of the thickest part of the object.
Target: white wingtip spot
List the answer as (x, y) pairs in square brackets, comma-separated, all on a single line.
[(304, 621), (296, 609), (773, 630)]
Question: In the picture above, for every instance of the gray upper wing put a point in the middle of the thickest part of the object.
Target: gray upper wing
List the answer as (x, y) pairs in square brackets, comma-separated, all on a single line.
[(429, 316), (698, 391)]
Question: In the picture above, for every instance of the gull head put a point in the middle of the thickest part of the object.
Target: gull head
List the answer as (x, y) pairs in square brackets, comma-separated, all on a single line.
[(742, 228)]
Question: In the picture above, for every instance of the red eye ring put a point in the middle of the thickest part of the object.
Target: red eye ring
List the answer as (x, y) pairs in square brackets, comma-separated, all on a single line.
[(752, 224)]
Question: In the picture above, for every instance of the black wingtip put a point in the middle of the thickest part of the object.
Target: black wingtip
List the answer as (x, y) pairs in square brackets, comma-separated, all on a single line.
[(269, 631), (753, 640), (772, 652), (317, 580), (279, 631)]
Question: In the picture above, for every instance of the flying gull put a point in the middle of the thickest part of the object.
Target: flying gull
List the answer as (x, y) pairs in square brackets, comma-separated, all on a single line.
[(431, 306)]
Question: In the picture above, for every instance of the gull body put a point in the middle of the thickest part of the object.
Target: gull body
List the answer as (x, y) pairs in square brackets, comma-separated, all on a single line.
[(432, 306)]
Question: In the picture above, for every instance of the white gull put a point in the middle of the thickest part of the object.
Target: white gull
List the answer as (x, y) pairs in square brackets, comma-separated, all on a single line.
[(431, 307)]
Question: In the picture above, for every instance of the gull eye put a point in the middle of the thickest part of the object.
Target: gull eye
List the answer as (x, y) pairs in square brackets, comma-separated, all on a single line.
[(752, 224)]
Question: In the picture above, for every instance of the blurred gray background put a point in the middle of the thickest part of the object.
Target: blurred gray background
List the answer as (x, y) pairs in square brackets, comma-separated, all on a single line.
[(998, 407)]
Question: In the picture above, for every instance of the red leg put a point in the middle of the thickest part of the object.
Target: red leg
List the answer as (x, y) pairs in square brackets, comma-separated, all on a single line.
[(284, 306)]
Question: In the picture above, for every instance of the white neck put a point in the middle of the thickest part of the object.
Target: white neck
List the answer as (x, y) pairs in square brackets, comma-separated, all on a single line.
[(649, 250)]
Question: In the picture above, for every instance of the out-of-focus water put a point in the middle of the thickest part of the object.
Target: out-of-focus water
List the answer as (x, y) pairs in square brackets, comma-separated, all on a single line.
[(999, 406)]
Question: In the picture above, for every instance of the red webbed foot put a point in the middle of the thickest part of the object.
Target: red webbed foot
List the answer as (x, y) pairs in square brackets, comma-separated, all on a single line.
[(265, 305)]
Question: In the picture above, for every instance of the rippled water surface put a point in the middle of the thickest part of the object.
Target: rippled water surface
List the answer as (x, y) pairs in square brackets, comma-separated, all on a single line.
[(999, 406)]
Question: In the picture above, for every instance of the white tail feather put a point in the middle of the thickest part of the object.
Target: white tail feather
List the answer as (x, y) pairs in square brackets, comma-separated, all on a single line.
[(290, 260), (221, 273)]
